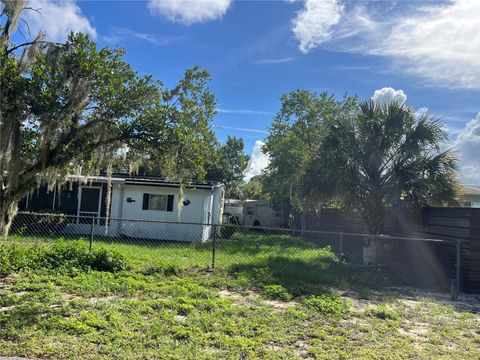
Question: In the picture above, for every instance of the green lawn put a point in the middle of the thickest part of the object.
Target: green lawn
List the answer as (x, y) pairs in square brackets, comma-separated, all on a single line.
[(270, 296)]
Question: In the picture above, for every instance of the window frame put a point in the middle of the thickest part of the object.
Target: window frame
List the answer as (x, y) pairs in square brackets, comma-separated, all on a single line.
[(165, 202), (169, 202)]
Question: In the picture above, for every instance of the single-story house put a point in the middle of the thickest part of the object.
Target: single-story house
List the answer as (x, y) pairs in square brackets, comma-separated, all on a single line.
[(143, 207), (471, 195)]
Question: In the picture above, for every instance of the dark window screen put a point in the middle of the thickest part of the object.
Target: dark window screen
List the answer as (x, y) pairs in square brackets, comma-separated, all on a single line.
[(89, 201)]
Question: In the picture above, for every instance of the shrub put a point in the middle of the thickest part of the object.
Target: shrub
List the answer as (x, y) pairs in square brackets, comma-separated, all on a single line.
[(44, 222), (276, 292), (61, 255), (382, 312), (326, 304)]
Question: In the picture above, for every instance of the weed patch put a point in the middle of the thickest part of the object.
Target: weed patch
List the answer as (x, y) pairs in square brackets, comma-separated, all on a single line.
[(382, 312), (326, 304), (276, 292)]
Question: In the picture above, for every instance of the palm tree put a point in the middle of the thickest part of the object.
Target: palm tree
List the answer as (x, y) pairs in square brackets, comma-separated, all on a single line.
[(386, 157)]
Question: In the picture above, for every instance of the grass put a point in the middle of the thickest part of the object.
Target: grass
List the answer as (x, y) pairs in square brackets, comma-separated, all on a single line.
[(270, 296)]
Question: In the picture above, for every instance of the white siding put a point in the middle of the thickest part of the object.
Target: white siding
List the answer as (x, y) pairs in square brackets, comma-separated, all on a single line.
[(129, 219), (196, 212)]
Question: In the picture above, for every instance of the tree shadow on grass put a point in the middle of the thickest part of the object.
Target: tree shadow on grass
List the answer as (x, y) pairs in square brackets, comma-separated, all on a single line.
[(311, 276)]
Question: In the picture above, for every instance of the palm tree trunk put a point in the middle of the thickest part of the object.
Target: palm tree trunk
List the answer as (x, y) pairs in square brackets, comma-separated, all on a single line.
[(374, 216)]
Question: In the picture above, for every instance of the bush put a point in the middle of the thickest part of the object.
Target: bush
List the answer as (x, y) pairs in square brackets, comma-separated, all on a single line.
[(326, 304), (44, 222), (276, 292), (382, 312), (61, 255)]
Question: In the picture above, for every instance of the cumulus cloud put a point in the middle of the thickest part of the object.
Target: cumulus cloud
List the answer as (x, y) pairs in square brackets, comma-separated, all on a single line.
[(467, 147), (57, 19), (435, 41), (189, 11), (388, 95), (313, 24), (259, 161)]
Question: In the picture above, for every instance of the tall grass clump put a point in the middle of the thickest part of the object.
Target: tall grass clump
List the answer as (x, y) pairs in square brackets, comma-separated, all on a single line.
[(60, 256)]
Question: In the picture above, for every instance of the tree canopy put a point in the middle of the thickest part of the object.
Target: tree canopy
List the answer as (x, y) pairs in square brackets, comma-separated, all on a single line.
[(377, 159), (69, 107), (229, 164), (383, 159), (294, 137)]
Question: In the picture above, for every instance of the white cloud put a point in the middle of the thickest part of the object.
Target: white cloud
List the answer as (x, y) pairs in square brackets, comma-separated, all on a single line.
[(313, 24), (421, 111), (57, 19), (272, 61), (441, 44), (467, 147), (257, 131), (189, 11), (259, 161), (437, 41), (242, 111), (387, 95), (118, 35)]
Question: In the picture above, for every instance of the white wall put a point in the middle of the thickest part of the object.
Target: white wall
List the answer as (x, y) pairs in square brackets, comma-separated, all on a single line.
[(196, 212), (205, 207)]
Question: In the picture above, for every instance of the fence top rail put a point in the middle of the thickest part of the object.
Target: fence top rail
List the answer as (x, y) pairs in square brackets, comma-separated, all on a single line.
[(241, 227)]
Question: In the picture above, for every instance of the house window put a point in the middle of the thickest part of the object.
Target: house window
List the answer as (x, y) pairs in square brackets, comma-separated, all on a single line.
[(157, 202)]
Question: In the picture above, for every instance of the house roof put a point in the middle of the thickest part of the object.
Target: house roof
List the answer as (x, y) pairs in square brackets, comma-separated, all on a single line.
[(471, 190), (144, 180)]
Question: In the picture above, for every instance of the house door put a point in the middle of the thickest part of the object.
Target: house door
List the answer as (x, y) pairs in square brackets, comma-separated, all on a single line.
[(90, 202)]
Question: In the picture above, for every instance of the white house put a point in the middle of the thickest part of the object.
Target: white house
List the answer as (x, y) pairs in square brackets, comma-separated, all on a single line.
[(140, 207)]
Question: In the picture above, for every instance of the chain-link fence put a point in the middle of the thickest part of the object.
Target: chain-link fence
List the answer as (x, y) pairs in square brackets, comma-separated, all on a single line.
[(307, 257)]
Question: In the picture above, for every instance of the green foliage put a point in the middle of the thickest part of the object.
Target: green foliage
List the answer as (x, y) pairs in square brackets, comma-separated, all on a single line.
[(143, 312), (228, 165), (62, 255), (383, 159), (276, 292), (382, 312), (326, 304), (254, 189), (72, 106), (293, 140)]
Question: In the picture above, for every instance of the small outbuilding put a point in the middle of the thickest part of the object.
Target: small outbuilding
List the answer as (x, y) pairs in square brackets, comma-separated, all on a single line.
[(142, 207)]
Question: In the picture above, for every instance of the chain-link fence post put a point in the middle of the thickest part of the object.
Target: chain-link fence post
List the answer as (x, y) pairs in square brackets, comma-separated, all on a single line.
[(455, 285), (214, 246), (458, 266), (92, 230), (340, 247)]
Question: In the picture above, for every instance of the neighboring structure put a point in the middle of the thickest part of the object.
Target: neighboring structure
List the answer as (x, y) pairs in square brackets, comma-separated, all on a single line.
[(151, 202), (248, 212), (472, 196)]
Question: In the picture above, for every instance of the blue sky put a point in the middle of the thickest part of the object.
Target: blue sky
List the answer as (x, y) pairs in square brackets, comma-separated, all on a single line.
[(257, 50)]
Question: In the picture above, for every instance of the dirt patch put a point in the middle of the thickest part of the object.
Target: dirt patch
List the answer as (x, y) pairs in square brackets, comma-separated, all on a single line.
[(250, 298), (180, 318), (417, 331), (246, 299), (280, 305), (301, 349)]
